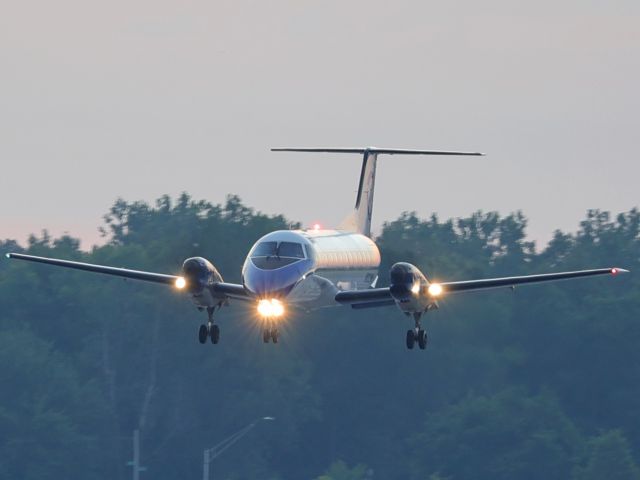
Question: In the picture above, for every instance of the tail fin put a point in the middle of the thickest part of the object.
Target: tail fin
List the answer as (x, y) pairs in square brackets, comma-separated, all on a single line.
[(360, 219)]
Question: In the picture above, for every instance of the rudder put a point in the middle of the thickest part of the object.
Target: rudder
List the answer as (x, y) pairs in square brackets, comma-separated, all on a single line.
[(359, 220)]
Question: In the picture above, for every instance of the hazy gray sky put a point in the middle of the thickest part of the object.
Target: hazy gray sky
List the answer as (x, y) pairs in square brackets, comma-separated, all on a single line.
[(137, 99)]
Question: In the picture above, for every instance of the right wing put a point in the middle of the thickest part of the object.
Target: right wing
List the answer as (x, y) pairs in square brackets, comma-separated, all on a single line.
[(89, 267), (222, 288)]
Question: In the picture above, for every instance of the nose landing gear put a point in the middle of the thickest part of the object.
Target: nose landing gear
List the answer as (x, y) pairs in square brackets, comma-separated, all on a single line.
[(270, 333)]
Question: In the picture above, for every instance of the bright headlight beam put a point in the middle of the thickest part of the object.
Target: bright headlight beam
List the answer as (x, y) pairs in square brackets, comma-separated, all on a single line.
[(180, 283), (270, 308), (277, 307), (264, 308), (415, 288), (435, 289)]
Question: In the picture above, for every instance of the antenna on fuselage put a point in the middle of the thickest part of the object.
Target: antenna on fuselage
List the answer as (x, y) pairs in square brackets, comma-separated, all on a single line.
[(359, 220)]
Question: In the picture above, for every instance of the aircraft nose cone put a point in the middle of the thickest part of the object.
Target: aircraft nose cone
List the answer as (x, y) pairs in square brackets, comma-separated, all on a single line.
[(271, 283)]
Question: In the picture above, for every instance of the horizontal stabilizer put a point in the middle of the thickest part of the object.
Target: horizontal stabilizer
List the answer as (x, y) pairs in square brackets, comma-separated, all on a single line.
[(359, 220), (374, 150)]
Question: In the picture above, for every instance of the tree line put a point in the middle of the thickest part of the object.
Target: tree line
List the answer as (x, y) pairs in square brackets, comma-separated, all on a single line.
[(542, 382)]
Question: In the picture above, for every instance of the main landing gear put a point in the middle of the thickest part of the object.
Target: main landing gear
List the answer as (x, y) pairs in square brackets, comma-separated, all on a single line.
[(417, 334), (210, 330), (270, 333)]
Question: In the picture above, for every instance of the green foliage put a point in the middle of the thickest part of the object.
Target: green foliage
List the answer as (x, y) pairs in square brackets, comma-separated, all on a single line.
[(512, 385), (50, 421), (498, 437), (609, 457), (341, 471)]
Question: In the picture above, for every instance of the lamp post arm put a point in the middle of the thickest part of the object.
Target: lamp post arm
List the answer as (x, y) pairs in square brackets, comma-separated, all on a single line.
[(218, 449), (212, 453)]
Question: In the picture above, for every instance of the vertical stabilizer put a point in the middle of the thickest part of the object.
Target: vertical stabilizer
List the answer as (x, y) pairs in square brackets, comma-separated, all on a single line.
[(360, 219)]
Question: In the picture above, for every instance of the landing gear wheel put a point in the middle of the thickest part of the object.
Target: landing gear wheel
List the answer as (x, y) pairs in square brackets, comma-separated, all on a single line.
[(203, 333), (274, 335), (215, 334), (266, 335), (411, 339), (423, 339)]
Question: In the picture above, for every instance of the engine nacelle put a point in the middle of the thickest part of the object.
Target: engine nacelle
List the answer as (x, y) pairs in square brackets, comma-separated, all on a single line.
[(409, 288), (199, 273)]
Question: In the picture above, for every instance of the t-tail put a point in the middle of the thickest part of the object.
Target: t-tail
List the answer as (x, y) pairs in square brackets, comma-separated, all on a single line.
[(359, 220)]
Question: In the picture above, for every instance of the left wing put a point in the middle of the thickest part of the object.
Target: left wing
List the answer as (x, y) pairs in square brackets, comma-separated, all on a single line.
[(468, 285), (376, 297)]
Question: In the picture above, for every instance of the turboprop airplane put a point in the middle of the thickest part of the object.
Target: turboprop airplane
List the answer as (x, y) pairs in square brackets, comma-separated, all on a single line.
[(317, 268)]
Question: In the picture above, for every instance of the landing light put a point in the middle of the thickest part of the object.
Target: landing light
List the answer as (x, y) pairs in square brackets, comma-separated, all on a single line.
[(435, 289), (270, 308), (180, 283), (415, 288)]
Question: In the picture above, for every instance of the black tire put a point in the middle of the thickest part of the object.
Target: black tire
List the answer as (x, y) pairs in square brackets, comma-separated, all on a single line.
[(423, 339), (411, 339), (215, 334), (203, 334), (266, 335), (274, 335)]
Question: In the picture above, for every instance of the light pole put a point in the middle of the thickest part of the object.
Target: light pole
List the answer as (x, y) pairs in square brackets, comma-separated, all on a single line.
[(214, 452), (135, 463)]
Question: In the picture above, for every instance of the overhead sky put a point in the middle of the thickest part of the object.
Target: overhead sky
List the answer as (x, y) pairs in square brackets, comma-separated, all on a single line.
[(131, 99)]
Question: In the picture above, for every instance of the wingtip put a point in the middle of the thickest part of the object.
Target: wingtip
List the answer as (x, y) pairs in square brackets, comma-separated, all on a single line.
[(8, 255), (617, 270)]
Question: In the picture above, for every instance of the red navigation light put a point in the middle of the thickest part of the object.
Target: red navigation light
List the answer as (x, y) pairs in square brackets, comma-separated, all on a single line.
[(614, 271)]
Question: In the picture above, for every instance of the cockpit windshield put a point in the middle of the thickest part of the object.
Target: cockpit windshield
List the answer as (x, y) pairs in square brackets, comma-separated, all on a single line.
[(278, 249), (290, 249), (271, 255), (264, 249)]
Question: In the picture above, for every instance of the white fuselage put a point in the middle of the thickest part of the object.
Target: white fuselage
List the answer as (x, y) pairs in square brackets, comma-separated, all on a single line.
[(310, 266), (349, 260)]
